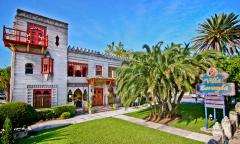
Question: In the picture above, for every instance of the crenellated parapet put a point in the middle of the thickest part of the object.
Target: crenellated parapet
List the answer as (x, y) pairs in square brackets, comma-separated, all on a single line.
[(77, 50)]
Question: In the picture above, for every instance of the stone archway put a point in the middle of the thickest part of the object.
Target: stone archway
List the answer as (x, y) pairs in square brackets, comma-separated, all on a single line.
[(77, 98)]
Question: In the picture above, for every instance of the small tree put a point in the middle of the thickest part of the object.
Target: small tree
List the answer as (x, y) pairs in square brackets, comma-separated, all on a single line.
[(5, 74), (7, 134)]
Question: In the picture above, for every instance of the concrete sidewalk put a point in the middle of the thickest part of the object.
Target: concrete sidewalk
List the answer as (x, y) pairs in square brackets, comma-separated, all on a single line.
[(80, 118), (176, 131)]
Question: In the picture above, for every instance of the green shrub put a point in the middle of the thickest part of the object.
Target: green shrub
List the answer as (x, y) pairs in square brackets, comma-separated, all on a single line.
[(7, 134), (46, 114), (65, 115), (58, 110), (115, 106), (21, 114)]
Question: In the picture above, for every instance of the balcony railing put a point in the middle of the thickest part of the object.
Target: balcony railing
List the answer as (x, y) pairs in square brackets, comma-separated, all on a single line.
[(15, 36)]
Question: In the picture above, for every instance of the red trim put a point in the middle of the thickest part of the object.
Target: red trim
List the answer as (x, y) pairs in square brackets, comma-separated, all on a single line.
[(41, 100), (16, 36), (98, 97), (29, 25), (83, 66), (47, 65)]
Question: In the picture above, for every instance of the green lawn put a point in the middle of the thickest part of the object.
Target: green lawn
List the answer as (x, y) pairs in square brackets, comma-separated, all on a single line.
[(193, 117), (105, 131)]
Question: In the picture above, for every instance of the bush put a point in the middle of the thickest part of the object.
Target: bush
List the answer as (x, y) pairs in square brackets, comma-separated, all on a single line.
[(21, 114), (58, 110), (65, 115), (7, 134), (46, 114), (115, 106)]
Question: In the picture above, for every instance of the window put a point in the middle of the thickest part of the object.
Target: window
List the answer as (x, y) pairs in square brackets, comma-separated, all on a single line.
[(42, 98), (77, 69), (57, 40), (111, 72), (98, 70), (37, 33), (78, 73), (29, 68), (70, 70), (47, 65)]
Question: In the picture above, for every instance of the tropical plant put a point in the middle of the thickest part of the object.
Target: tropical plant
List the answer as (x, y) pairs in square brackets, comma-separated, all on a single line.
[(231, 65), (5, 74), (221, 32), (161, 76), (118, 50)]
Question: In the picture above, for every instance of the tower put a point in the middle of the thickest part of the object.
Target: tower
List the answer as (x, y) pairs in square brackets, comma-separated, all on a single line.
[(39, 59)]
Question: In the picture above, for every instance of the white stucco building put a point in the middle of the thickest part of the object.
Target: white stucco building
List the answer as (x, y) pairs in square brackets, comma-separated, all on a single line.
[(47, 72)]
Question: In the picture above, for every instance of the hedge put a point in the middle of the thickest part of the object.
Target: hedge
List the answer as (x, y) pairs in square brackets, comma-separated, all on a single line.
[(46, 114), (21, 114), (58, 110), (65, 115)]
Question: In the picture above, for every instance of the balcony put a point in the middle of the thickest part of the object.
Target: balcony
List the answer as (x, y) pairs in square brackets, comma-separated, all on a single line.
[(15, 36)]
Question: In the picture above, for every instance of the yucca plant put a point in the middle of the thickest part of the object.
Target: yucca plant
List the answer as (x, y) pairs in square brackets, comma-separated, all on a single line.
[(221, 32)]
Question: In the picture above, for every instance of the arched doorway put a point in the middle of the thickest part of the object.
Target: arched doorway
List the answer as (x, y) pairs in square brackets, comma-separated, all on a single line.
[(77, 98)]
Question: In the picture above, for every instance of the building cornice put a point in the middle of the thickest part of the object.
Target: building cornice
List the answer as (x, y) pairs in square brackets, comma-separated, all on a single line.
[(40, 18)]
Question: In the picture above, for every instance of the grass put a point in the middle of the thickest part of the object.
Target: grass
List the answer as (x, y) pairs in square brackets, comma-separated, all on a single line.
[(105, 131), (193, 117)]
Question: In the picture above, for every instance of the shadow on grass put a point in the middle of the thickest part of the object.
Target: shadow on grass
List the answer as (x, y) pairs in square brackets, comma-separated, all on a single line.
[(44, 136), (192, 116)]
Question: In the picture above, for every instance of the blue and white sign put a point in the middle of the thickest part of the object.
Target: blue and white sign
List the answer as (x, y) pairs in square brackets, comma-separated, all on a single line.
[(226, 89), (214, 88)]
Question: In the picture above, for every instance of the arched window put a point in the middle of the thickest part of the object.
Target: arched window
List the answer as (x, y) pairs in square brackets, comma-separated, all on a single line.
[(29, 68), (70, 70), (46, 93), (78, 73), (37, 93), (42, 98), (85, 95), (85, 72)]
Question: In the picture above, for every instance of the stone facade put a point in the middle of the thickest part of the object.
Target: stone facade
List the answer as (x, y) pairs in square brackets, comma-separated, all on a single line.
[(59, 83)]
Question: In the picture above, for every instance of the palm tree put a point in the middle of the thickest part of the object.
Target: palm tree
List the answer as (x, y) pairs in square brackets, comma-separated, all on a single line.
[(118, 50), (221, 32), (161, 76)]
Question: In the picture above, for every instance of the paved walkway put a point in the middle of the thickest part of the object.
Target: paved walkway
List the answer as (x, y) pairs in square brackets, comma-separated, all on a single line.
[(80, 118), (176, 131)]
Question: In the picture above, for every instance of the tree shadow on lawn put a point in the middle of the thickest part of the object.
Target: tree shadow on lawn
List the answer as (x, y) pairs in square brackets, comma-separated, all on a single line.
[(195, 114), (44, 136)]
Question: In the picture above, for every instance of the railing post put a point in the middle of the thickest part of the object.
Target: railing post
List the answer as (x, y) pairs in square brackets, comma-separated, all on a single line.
[(4, 31)]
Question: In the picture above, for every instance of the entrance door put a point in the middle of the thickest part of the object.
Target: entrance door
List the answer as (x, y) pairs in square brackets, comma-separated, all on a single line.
[(98, 97), (37, 34)]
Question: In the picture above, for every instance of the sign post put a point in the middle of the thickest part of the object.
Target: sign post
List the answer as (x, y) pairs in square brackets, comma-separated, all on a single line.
[(214, 88)]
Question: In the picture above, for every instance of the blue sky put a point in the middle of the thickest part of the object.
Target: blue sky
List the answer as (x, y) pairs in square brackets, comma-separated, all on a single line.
[(95, 23)]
